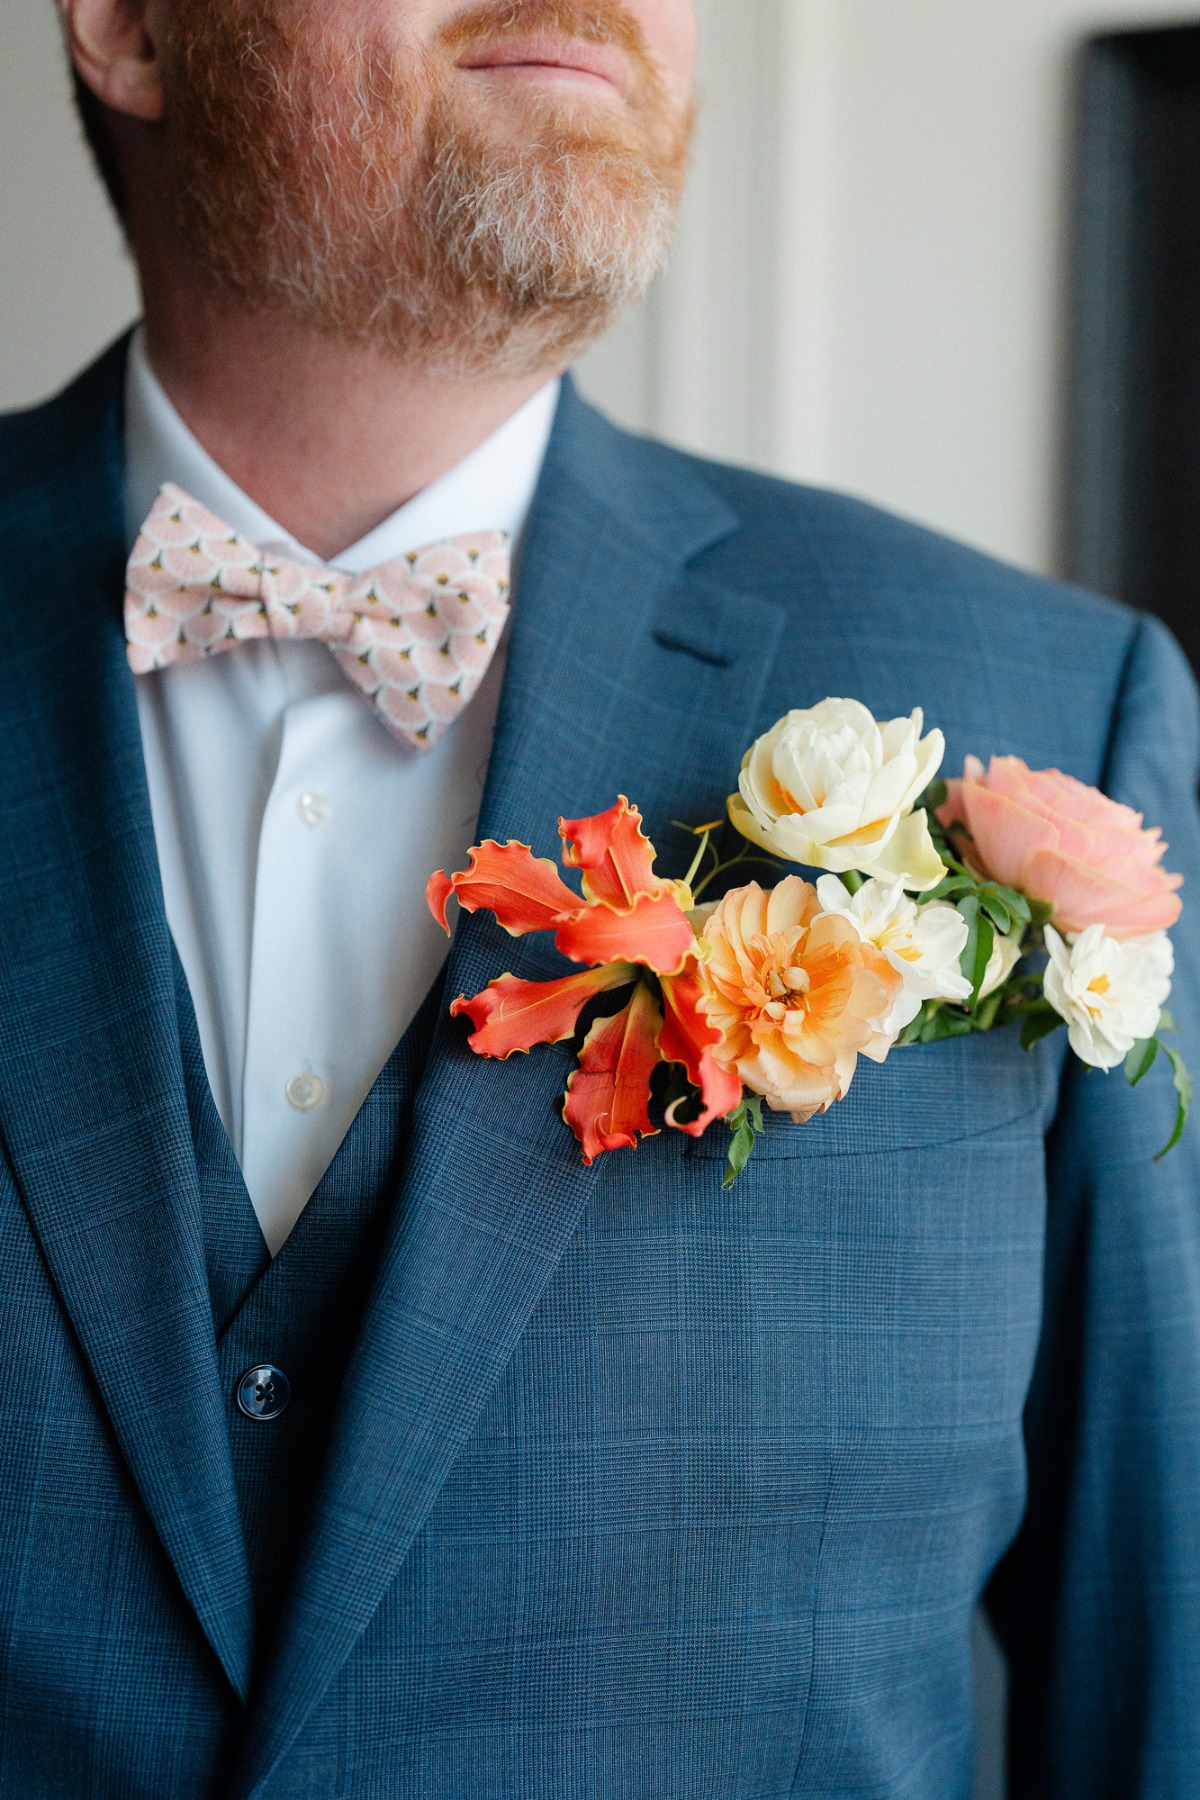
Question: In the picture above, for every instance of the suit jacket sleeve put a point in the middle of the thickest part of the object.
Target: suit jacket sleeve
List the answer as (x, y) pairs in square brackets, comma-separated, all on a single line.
[(1098, 1603)]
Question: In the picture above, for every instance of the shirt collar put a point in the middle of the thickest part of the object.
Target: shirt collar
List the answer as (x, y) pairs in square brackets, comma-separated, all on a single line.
[(490, 490)]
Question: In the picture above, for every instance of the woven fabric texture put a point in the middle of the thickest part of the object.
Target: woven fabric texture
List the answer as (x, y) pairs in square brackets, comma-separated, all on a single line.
[(634, 1489)]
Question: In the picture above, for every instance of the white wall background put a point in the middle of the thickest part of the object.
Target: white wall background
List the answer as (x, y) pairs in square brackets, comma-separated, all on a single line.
[(66, 287), (868, 289), (870, 283)]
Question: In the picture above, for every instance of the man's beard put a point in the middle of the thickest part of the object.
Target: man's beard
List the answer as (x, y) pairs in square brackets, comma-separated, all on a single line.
[(349, 187)]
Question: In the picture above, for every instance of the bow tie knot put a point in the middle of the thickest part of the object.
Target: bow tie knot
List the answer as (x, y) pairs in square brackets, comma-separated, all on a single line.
[(415, 635)]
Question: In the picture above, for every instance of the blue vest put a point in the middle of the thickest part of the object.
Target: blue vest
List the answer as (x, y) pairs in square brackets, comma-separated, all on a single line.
[(300, 1313)]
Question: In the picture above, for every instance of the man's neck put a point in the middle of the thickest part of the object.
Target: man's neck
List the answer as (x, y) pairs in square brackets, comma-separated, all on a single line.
[(329, 438)]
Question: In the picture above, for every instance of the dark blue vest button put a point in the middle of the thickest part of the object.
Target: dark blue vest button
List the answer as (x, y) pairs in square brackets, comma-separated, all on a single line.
[(263, 1392)]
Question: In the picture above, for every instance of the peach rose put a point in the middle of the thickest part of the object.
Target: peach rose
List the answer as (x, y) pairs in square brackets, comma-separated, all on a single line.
[(1065, 844), (796, 993)]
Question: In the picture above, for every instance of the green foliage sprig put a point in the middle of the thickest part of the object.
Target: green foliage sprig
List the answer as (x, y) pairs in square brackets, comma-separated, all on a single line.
[(990, 911)]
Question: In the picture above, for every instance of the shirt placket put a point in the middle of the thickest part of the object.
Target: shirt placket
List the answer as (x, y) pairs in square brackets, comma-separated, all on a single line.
[(292, 1068)]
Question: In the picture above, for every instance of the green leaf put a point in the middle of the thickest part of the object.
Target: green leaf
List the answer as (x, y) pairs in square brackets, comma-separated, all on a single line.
[(746, 1124), (912, 1032), (996, 911), (977, 952), (1181, 1080), (950, 888), (983, 956), (938, 1021), (1141, 1060), (1016, 903), (920, 1025), (1040, 1021), (741, 1149), (1166, 1021), (935, 1022), (935, 796), (949, 1023)]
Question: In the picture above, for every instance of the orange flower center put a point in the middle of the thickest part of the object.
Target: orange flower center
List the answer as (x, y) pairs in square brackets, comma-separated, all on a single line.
[(779, 985)]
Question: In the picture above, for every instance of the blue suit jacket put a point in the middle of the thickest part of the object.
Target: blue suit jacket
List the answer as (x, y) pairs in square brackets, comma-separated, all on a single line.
[(639, 1490)]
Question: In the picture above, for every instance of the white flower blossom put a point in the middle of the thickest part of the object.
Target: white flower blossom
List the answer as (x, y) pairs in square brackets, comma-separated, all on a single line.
[(924, 944), (1111, 993), (830, 788)]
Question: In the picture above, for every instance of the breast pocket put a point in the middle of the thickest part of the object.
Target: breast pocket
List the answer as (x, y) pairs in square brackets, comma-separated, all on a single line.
[(923, 1095), (906, 1231)]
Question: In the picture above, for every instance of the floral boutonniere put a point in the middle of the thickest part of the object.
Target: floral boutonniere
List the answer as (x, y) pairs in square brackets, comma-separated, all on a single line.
[(1010, 897)]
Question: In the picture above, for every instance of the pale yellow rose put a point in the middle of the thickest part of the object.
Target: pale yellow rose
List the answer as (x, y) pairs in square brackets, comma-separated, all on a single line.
[(832, 789), (796, 993)]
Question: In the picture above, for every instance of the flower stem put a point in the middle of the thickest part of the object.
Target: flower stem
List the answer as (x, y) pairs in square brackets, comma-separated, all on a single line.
[(743, 856), (698, 861)]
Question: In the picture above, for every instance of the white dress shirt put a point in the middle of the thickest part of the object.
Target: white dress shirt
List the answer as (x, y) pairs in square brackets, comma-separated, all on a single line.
[(295, 834)]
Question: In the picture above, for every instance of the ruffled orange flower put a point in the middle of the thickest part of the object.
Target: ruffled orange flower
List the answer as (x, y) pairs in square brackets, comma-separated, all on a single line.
[(796, 995), (630, 928)]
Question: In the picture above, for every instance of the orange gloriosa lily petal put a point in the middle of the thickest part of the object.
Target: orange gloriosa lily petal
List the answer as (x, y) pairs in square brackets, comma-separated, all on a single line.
[(616, 856), (438, 890), (607, 1105), (689, 1037), (511, 1014), (654, 931), (526, 892)]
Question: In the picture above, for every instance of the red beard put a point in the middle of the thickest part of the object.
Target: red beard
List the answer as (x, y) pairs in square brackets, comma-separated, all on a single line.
[(359, 189)]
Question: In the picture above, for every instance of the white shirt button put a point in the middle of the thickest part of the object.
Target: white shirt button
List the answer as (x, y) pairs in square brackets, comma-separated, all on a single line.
[(304, 1092), (314, 809)]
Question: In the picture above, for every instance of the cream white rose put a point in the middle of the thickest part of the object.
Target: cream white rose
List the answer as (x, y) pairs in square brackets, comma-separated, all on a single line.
[(832, 789), (1110, 993), (924, 944), (1003, 960)]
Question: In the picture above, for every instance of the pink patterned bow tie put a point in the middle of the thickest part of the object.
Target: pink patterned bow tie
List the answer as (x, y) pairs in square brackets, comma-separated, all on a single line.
[(415, 635)]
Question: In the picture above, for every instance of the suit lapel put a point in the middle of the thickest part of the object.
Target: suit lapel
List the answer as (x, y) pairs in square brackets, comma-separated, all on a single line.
[(626, 674), (92, 1105)]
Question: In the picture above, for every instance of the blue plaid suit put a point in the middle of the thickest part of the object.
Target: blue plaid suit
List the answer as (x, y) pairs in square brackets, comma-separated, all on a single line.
[(638, 1490)]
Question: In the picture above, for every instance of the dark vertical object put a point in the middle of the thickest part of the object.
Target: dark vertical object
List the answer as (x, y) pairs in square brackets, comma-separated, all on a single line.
[(1133, 511)]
